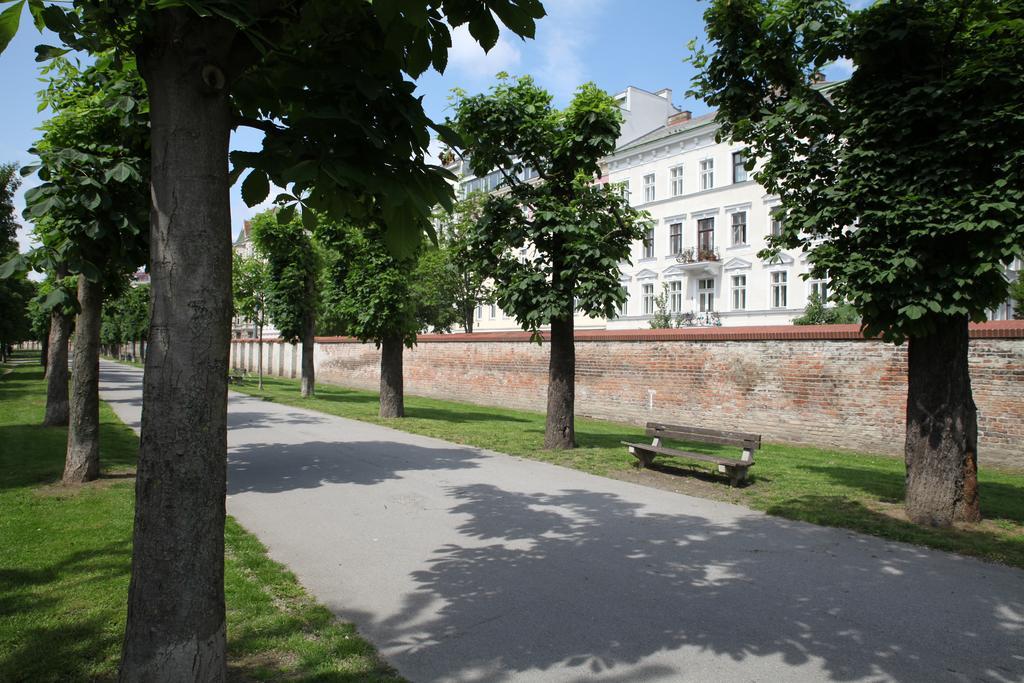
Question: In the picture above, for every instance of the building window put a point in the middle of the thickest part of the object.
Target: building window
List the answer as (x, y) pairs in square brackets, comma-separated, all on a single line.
[(779, 289), (649, 187), (706, 295), (677, 180), (819, 288), (739, 228), (776, 228), (675, 296), (705, 236), (479, 312), (648, 298), (707, 174), (494, 311), (739, 292), (624, 189), (739, 171), (649, 242), (675, 239)]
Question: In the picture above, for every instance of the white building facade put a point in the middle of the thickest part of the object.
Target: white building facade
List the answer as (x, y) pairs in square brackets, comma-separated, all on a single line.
[(709, 220)]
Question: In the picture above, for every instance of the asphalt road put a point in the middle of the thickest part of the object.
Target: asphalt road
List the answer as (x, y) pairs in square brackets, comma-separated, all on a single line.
[(466, 565)]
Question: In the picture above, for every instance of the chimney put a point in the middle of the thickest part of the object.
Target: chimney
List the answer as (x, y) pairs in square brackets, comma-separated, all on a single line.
[(665, 94), (679, 117), (818, 77)]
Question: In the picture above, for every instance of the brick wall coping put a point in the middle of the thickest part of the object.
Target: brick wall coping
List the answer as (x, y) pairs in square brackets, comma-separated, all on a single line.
[(1001, 329)]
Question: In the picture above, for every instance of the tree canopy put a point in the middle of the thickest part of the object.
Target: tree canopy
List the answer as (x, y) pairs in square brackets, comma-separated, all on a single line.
[(904, 183), (293, 271)]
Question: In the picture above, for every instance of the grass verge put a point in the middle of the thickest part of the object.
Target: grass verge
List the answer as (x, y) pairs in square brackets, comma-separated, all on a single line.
[(66, 556), (855, 491)]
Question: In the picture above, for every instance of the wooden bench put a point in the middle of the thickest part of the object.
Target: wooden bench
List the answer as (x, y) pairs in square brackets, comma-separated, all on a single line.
[(735, 468), (236, 376)]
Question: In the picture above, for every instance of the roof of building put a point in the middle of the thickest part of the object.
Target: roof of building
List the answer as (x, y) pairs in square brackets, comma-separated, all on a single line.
[(243, 234), (667, 130)]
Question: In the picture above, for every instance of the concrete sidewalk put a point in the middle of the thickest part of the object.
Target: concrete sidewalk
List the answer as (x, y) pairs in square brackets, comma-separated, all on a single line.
[(465, 565)]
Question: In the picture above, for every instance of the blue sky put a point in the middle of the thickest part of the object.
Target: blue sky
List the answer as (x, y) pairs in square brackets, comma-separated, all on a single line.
[(614, 43)]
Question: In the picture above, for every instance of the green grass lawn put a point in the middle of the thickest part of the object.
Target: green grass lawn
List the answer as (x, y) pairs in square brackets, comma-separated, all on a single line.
[(829, 487), (65, 555)]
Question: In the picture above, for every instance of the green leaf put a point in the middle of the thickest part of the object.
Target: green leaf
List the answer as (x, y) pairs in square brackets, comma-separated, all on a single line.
[(16, 264), (309, 219), (35, 7), (45, 53), (10, 18), (255, 187), (485, 31), (121, 172), (285, 214)]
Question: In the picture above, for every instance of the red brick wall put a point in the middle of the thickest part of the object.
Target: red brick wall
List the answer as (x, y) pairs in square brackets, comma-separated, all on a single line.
[(824, 386)]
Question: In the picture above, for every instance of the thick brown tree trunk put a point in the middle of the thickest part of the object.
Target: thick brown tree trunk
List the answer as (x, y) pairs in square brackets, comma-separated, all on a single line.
[(560, 429), (57, 370), (308, 340), (176, 618), (82, 462), (392, 396), (942, 429)]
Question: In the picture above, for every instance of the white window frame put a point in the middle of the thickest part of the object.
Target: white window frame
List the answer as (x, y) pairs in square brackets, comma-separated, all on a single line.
[(779, 288), (676, 181), (707, 173), (774, 224), (649, 187), (647, 296), (733, 224), (739, 292), (648, 243), (705, 296), (820, 287), (738, 169), (675, 296)]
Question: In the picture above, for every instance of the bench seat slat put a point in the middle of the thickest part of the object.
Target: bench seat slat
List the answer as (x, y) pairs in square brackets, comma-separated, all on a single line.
[(681, 435), (661, 450)]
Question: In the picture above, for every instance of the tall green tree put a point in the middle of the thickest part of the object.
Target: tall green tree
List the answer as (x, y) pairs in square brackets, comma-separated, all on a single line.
[(347, 142), (251, 289), (455, 232), (371, 300), (551, 246), (904, 184), (125, 317), (15, 292), (94, 209), (294, 276)]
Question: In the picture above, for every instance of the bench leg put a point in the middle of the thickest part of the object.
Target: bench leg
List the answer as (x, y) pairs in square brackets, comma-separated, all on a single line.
[(737, 475), (644, 458)]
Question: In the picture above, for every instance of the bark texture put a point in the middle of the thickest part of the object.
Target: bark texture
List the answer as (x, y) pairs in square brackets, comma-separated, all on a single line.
[(176, 619), (560, 428), (82, 462), (392, 396), (308, 369), (942, 430), (57, 371)]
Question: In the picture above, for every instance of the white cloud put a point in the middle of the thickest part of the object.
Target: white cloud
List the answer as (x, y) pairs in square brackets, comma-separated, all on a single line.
[(469, 59), (841, 68), (563, 36)]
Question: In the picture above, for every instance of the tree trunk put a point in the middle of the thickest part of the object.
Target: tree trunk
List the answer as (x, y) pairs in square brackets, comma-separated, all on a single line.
[(57, 370), (176, 619), (392, 396), (942, 429), (82, 462), (44, 346), (308, 340), (560, 429), (259, 349)]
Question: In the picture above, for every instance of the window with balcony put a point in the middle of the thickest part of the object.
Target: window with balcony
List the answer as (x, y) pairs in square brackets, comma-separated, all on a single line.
[(647, 291), (676, 181), (705, 238), (707, 174), (675, 239), (739, 171), (739, 292), (706, 295), (675, 296), (739, 228), (649, 242), (649, 187), (779, 289)]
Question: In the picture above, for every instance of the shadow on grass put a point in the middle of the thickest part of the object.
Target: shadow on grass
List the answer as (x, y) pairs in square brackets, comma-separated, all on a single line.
[(998, 500), (61, 648), (839, 511)]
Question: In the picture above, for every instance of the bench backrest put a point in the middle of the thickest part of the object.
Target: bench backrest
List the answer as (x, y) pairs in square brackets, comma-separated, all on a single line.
[(702, 435)]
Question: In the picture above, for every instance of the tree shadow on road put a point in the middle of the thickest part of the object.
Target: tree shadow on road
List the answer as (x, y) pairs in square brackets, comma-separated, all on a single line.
[(587, 583)]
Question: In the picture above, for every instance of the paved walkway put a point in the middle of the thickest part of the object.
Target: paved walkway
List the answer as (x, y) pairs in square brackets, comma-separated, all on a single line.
[(464, 565)]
